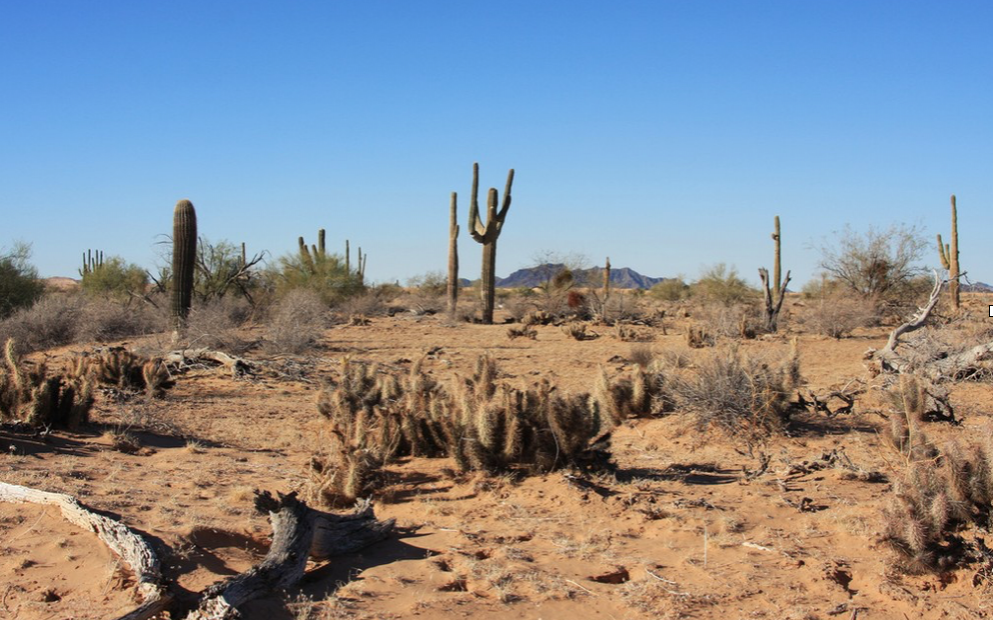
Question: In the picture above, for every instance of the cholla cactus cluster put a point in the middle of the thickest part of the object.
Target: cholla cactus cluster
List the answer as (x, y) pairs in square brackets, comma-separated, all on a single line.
[(376, 416), (28, 394), (939, 497), (123, 370)]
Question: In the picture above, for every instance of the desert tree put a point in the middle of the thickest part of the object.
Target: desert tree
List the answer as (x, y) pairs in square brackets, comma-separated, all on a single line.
[(876, 264), (19, 283)]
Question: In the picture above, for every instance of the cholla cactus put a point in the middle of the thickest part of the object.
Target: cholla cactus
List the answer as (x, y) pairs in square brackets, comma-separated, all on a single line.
[(30, 395)]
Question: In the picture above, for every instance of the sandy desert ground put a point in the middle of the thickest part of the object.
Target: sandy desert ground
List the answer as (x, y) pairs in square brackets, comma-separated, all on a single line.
[(679, 532)]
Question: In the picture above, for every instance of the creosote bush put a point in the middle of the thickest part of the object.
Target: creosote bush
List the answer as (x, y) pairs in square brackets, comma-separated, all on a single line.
[(19, 283), (115, 279), (837, 313)]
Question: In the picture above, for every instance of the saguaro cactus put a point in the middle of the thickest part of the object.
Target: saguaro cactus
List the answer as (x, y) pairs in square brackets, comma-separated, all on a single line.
[(184, 255), (774, 292), (453, 257), (91, 262), (487, 235), (950, 258), (606, 281)]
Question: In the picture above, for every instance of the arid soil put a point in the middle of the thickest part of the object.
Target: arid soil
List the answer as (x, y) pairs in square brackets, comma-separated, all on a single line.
[(681, 531)]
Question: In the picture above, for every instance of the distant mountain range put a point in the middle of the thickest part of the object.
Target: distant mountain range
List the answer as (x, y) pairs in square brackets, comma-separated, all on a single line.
[(976, 287), (532, 277)]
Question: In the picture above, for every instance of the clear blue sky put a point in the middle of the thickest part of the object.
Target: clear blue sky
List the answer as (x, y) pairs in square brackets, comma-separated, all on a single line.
[(663, 134)]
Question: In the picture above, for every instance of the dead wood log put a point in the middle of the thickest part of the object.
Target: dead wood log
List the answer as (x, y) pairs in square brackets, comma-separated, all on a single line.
[(284, 565), (297, 532), (185, 357), (130, 546), (949, 367), (341, 534)]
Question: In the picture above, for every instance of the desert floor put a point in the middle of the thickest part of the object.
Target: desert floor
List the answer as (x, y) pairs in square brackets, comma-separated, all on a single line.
[(679, 532)]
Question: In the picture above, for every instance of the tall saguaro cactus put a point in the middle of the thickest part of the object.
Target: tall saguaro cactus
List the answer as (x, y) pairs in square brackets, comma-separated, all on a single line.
[(949, 254), (184, 255), (774, 292), (487, 235), (453, 257)]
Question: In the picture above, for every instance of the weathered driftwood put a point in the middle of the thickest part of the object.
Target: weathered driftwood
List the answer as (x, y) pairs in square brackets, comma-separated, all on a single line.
[(298, 532), (186, 357), (131, 547), (284, 565), (340, 534), (947, 368)]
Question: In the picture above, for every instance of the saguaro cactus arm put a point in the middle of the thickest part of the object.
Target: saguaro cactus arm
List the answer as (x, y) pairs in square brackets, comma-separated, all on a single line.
[(487, 233)]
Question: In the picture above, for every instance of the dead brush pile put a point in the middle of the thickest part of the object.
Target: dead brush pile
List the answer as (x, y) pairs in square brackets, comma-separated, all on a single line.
[(375, 417)]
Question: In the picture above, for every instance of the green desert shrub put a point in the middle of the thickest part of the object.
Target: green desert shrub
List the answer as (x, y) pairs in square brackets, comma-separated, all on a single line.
[(115, 279), (325, 274), (670, 289), (19, 283), (722, 284)]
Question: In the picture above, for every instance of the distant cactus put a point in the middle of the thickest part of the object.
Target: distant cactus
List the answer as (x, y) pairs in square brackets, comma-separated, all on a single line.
[(949, 255), (453, 257), (184, 255), (487, 235), (91, 262), (774, 292)]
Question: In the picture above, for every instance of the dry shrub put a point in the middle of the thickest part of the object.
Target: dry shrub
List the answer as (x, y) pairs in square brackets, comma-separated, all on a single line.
[(934, 343), (214, 324), (745, 397), (49, 323), (107, 321), (736, 321), (373, 302), (296, 322), (619, 307), (837, 314), (522, 332), (577, 331)]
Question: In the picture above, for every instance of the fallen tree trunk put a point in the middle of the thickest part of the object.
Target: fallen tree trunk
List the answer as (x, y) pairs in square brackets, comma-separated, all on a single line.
[(948, 367), (283, 566), (298, 532), (131, 547)]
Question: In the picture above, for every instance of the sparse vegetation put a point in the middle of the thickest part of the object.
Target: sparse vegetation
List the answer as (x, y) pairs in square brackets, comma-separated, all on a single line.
[(742, 396)]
